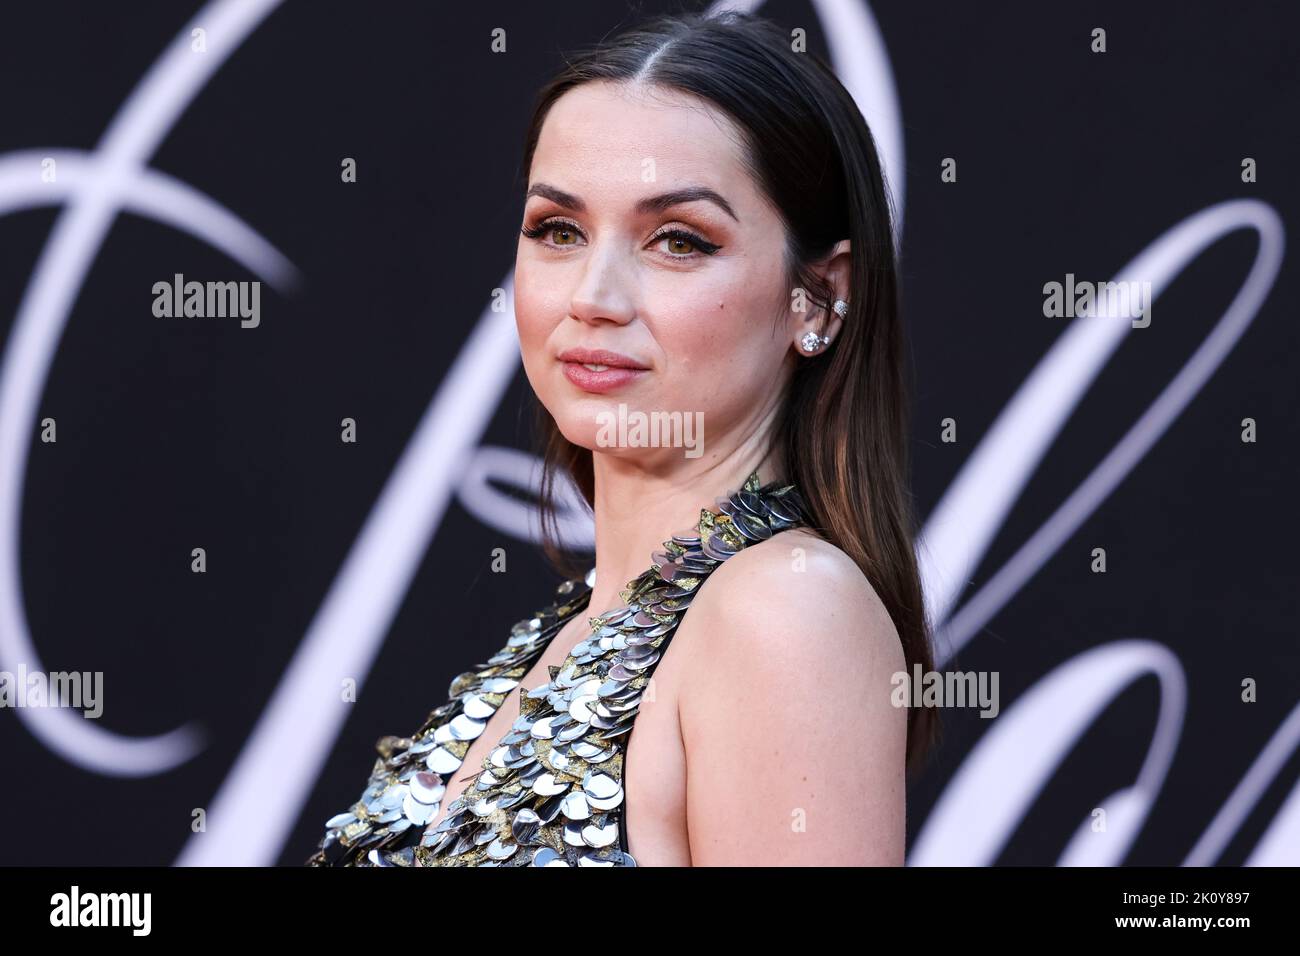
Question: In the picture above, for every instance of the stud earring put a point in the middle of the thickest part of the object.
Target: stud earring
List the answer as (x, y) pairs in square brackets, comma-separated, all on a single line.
[(811, 341)]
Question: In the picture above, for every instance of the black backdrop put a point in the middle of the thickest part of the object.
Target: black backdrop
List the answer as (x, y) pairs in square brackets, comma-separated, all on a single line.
[(182, 433)]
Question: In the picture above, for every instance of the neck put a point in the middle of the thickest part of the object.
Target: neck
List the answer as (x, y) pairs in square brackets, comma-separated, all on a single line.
[(640, 503)]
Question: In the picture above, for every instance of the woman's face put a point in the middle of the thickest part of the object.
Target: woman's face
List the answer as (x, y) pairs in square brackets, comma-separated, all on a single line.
[(690, 291)]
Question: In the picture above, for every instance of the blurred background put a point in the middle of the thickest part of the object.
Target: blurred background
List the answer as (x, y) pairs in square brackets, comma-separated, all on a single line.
[(1147, 715)]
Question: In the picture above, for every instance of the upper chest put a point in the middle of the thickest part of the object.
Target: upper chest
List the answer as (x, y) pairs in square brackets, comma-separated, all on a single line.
[(499, 724), (571, 751), (653, 761)]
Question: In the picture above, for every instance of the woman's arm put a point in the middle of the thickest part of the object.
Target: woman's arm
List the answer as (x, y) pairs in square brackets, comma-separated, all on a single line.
[(795, 754)]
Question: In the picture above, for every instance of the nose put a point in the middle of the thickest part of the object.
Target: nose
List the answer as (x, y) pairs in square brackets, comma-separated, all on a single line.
[(604, 292)]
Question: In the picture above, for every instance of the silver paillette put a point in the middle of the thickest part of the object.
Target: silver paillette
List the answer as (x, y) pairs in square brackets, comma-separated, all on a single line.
[(551, 793)]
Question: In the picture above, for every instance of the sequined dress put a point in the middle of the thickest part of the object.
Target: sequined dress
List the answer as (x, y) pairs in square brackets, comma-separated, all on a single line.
[(551, 792)]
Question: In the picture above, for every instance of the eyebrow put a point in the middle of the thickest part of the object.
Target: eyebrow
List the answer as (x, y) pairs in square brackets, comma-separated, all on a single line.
[(650, 204)]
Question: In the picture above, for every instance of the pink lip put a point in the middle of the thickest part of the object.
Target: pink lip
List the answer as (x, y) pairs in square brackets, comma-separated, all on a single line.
[(605, 381), (599, 357)]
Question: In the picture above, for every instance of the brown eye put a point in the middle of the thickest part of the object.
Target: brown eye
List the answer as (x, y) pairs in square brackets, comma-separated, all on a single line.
[(679, 245), (685, 245), (549, 229)]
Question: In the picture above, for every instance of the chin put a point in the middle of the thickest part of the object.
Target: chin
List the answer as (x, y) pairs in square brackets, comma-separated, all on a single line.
[(577, 422)]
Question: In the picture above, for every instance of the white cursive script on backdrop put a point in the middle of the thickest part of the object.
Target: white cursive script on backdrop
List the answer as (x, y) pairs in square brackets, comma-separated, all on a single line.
[(95, 187), (991, 792), (964, 827)]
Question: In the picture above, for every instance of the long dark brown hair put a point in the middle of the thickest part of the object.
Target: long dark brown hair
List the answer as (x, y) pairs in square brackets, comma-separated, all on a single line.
[(843, 428)]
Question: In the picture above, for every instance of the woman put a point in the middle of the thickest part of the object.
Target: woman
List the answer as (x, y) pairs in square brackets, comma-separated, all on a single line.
[(706, 235)]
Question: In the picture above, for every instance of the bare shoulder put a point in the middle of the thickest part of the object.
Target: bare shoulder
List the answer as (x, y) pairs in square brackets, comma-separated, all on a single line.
[(796, 583), (789, 663)]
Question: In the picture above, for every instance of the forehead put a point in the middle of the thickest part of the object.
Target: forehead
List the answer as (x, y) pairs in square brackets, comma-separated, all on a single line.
[(604, 133)]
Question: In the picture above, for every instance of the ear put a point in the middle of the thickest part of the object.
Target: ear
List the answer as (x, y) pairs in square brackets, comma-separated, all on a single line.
[(820, 317)]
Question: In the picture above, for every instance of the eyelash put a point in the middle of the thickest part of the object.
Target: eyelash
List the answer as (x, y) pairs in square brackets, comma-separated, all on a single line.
[(704, 247)]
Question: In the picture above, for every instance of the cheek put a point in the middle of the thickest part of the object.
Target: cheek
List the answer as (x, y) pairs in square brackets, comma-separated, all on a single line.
[(538, 310), (717, 355), (533, 330), (532, 309), (719, 329)]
